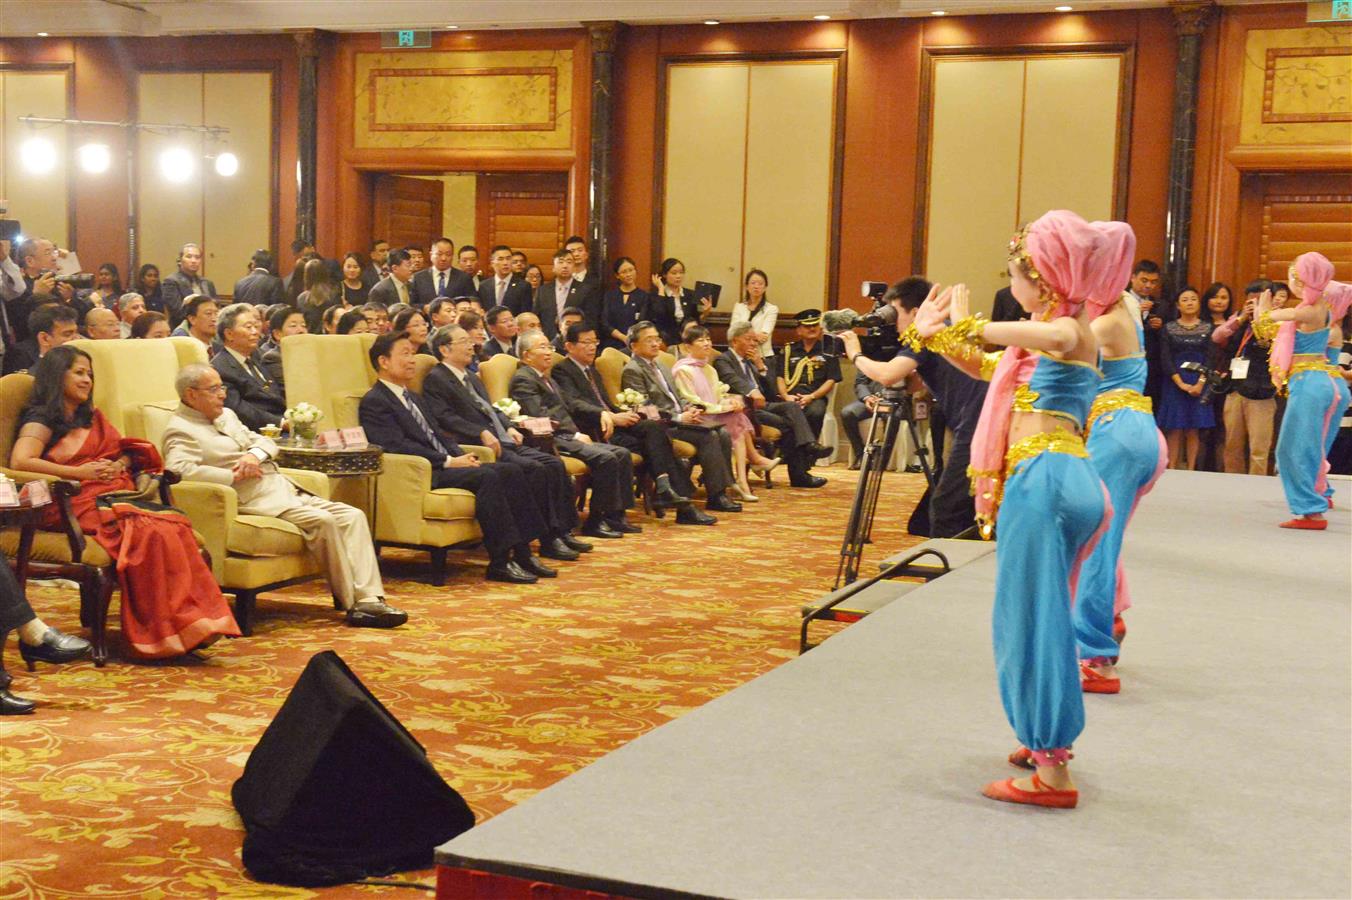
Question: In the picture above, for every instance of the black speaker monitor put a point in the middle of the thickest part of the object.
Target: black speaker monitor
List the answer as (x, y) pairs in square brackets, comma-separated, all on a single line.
[(337, 790)]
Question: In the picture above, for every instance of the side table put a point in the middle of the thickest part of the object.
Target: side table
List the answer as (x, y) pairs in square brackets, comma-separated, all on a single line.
[(349, 462), (26, 517)]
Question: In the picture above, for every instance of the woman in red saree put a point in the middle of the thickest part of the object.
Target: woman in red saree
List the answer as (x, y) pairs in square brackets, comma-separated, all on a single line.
[(170, 602)]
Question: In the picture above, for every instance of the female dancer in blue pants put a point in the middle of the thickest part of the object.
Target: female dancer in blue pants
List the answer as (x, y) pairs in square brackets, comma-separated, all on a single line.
[(1030, 465)]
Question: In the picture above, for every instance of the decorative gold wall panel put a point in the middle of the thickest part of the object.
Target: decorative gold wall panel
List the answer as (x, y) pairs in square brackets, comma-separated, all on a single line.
[(1297, 86), (464, 100)]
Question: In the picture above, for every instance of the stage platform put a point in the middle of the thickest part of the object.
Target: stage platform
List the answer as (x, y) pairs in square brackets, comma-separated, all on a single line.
[(1223, 769)]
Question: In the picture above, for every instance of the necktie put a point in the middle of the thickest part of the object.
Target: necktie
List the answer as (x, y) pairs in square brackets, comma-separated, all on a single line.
[(427, 431), (475, 386), (751, 373), (662, 380), (255, 371), (441, 284), (502, 289), (591, 380)]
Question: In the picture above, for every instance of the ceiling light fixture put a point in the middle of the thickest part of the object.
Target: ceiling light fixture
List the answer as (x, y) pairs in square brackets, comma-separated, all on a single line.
[(38, 155), (176, 164), (821, 18), (1064, 8), (452, 27), (227, 164), (711, 22), (94, 158), (43, 34), (937, 12)]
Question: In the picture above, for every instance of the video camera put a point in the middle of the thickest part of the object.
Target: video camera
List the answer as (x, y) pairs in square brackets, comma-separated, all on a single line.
[(879, 341)]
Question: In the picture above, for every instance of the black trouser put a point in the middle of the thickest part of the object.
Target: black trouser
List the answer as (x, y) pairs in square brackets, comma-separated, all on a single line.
[(713, 449), (794, 435), (14, 611), (650, 439), (507, 517), (952, 508), (815, 413), (612, 474), (549, 483)]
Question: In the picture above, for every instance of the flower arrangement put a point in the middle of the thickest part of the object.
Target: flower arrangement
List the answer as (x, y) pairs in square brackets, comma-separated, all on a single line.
[(303, 417), (629, 398), (509, 408)]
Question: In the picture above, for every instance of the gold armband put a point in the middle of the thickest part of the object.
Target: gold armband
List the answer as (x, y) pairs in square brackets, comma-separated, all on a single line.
[(988, 363), (962, 338), (912, 339), (1264, 328)]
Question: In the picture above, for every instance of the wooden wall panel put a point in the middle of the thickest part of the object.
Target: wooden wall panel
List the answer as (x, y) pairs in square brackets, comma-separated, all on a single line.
[(704, 188), (39, 202), (791, 122)]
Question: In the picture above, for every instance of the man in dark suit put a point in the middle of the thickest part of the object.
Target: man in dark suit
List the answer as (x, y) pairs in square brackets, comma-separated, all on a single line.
[(260, 287), (611, 467), (502, 331), (378, 267), (51, 325), (590, 290), (396, 287), (255, 398), (569, 317), (461, 408), (441, 278), (589, 406), (504, 287), (400, 421), (646, 374), (746, 374), (555, 296), (467, 261), (188, 280)]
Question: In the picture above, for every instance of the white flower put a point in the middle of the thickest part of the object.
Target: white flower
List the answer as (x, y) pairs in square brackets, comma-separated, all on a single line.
[(303, 414), (630, 398), (509, 407)]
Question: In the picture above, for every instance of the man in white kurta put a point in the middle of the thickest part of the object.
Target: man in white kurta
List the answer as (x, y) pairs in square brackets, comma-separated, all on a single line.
[(204, 441)]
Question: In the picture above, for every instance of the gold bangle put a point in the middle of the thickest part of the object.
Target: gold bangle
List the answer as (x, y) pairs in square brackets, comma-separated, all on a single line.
[(1264, 328), (962, 338), (911, 338)]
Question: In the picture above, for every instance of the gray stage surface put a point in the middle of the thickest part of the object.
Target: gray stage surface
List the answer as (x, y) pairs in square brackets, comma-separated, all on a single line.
[(1224, 769)]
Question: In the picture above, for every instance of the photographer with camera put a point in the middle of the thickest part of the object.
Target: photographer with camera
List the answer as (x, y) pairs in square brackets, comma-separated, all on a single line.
[(37, 261), (960, 396), (1251, 408)]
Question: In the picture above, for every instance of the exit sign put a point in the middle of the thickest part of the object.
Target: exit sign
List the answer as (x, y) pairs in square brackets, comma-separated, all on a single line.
[(406, 39), (1329, 11)]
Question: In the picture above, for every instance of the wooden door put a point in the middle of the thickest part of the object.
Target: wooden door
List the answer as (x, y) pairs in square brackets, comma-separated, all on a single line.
[(407, 211), (526, 212), (1283, 216)]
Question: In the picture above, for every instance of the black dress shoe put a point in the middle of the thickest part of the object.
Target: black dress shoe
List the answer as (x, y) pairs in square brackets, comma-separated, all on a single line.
[(854, 465), (624, 527), (56, 648), (723, 504), (600, 530), (509, 572), (11, 705), (534, 567), (692, 516), (574, 544), (914, 470), (811, 481), (375, 614), (555, 548), (669, 497), (817, 451)]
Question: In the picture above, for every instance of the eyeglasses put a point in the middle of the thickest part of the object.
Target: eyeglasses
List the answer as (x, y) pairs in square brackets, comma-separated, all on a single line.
[(211, 389)]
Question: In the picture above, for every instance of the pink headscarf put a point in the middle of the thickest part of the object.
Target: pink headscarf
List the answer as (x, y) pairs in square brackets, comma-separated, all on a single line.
[(1316, 272), (1081, 263)]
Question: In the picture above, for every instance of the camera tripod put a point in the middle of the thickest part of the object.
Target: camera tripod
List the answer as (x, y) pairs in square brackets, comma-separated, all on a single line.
[(893, 407)]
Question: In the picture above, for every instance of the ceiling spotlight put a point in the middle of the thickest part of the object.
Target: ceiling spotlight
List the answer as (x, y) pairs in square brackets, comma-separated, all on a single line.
[(42, 34), (710, 21), (38, 155), (1064, 8), (94, 158), (937, 12), (176, 164), (452, 27), (821, 18), (227, 164)]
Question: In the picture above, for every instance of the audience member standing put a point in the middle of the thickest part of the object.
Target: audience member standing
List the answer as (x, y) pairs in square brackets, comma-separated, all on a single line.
[(590, 291), (1182, 413), (505, 287), (1251, 406), (394, 288), (188, 280), (1145, 288), (755, 307), (260, 287), (622, 306), (147, 284), (553, 297), (441, 278)]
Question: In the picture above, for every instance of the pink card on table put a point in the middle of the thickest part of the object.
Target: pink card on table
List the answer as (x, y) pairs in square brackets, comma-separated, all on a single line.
[(36, 493), (329, 440), (537, 425), (354, 437)]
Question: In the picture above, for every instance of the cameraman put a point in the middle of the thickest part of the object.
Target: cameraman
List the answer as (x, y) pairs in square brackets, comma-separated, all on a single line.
[(37, 263), (959, 396)]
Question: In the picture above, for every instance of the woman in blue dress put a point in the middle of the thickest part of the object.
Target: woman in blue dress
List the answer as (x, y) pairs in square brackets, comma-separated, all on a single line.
[(1183, 416)]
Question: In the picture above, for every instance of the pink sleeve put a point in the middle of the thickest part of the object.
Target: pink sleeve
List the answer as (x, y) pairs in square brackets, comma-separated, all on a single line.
[(1223, 333)]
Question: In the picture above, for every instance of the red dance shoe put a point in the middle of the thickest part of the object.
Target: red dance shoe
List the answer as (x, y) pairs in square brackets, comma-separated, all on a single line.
[(1119, 629), (1305, 524), (1043, 796), (1094, 683), (1330, 499)]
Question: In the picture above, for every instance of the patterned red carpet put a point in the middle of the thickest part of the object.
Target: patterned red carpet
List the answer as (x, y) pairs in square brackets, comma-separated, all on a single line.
[(120, 785)]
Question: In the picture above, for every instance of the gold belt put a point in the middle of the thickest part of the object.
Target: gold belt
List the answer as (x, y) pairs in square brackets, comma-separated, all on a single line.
[(1121, 398), (1320, 364), (1058, 441)]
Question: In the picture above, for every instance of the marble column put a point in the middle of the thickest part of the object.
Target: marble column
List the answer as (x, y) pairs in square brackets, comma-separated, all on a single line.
[(602, 63), (307, 137), (1190, 21)]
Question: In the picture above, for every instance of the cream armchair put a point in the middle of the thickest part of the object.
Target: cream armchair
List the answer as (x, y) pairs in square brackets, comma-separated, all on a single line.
[(134, 387), (334, 372)]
